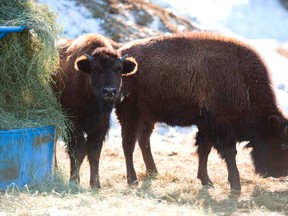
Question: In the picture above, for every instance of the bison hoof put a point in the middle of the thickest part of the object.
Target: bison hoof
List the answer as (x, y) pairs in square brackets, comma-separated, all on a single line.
[(235, 190), (74, 181), (208, 184), (95, 187), (132, 179), (151, 174), (95, 184), (135, 182)]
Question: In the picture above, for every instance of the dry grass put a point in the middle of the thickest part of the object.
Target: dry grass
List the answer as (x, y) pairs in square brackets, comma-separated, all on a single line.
[(175, 191), (28, 60)]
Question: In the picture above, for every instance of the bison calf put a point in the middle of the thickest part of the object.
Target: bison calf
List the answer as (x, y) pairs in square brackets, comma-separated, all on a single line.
[(88, 84), (217, 83)]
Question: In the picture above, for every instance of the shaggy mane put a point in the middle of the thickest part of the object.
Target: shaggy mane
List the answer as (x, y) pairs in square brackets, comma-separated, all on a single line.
[(105, 51)]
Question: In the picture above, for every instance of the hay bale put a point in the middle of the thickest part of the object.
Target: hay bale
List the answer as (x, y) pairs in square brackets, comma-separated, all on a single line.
[(28, 60)]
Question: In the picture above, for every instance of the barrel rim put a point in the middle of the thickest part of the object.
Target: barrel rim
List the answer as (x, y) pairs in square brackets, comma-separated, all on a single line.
[(21, 130)]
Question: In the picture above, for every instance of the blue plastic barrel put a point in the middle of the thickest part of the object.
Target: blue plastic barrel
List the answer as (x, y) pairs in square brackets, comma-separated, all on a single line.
[(26, 155), (5, 30)]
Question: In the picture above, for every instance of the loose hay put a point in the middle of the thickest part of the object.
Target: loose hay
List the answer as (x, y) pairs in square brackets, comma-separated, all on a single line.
[(28, 60)]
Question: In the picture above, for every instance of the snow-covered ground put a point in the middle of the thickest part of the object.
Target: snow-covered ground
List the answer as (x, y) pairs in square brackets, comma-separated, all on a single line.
[(251, 19), (75, 18), (262, 23)]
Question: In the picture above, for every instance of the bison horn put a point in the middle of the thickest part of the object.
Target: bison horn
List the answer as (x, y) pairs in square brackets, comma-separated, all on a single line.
[(89, 57), (123, 58)]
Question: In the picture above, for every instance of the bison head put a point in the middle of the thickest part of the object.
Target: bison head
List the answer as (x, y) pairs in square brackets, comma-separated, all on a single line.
[(270, 153), (105, 68)]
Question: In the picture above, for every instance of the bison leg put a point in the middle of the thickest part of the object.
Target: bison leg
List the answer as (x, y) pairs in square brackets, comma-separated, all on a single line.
[(129, 128), (129, 131), (129, 139), (144, 133), (95, 144), (77, 151), (229, 155), (204, 148)]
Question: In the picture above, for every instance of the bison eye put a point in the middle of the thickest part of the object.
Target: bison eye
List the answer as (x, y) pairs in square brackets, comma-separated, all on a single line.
[(284, 147), (93, 71)]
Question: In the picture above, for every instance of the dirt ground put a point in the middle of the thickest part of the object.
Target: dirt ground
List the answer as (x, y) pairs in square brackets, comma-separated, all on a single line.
[(175, 191)]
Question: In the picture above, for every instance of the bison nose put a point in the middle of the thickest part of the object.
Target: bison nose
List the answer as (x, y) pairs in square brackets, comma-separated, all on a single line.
[(109, 93)]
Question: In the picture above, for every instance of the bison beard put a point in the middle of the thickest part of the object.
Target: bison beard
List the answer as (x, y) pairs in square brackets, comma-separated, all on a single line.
[(96, 110)]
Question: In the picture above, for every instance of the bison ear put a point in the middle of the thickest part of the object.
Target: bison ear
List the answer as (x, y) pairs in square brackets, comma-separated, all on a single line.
[(276, 124), (83, 64), (129, 66)]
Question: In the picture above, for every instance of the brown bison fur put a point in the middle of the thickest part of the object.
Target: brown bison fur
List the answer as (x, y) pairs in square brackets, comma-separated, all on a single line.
[(88, 87), (215, 82)]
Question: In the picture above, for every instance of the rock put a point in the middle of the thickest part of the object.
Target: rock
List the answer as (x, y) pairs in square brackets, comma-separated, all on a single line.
[(126, 20)]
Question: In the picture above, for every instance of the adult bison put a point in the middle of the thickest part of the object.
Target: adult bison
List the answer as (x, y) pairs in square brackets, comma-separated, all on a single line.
[(206, 79), (88, 84)]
